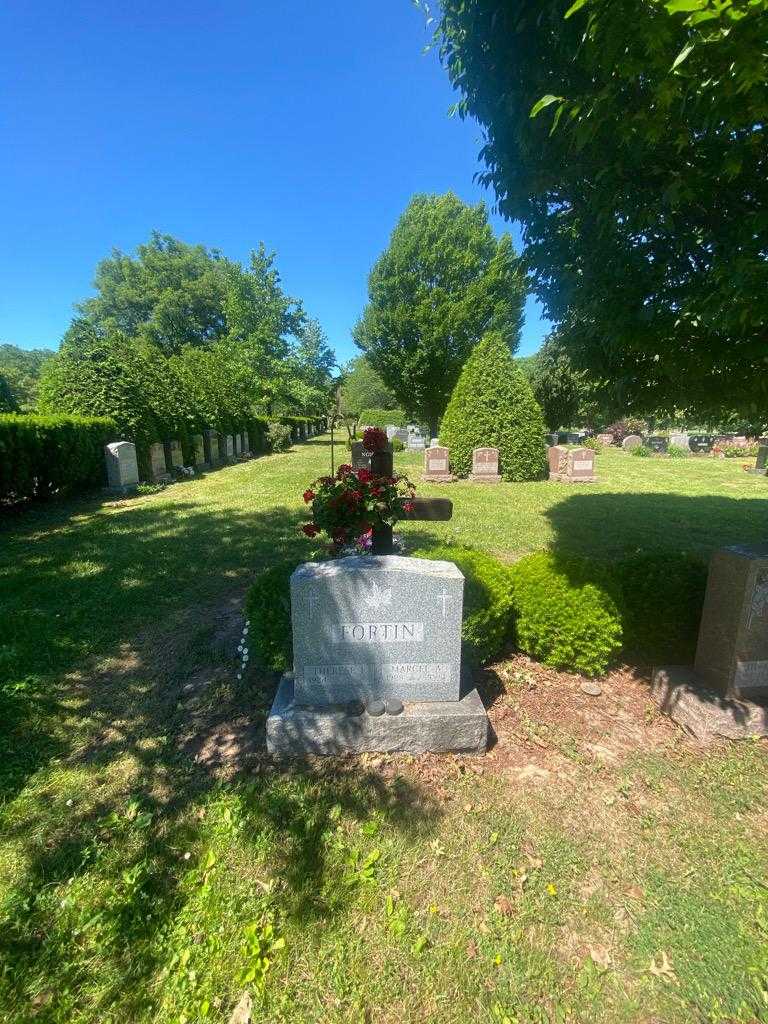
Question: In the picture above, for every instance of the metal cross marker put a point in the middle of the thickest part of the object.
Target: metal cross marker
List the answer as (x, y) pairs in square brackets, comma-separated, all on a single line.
[(444, 597), (424, 509)]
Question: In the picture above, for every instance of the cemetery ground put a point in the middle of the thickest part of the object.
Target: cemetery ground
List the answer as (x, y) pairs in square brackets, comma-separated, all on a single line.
[(596, 865)]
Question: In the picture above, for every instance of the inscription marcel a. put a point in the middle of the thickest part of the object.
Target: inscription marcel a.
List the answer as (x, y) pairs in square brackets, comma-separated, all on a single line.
[(378, 632), (413, 673)]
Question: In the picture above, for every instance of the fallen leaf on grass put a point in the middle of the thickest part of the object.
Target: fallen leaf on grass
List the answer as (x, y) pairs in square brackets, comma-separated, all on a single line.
[(601, 956), (503, 905), (663, 970), (242, 1012), (471, 950)]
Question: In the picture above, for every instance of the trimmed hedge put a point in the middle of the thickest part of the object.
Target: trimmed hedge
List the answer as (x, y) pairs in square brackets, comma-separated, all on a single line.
[(488, 600), (268, 611), (41, 456), (561, 617), (661, 596), (382, 418), (493, 406), (572, 613)]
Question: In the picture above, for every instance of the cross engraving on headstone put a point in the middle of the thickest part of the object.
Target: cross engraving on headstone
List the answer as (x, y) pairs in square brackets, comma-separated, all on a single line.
[(424, 509)]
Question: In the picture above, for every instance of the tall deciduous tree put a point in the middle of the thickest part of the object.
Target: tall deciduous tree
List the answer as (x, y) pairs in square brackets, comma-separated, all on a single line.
[(441, 284), (7, 402), (21, 369), (568, 397), (630, 139), (362, 388)]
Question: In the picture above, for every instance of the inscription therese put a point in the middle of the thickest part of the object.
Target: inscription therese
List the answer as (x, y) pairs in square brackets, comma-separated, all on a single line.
[(406, 672), (379, 632)]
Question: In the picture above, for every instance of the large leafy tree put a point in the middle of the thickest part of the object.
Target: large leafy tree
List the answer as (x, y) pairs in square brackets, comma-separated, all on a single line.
[(362, 388), (568, 397), (7, 401), (170, 292), (441, 284), (21, 369), (629, 138)]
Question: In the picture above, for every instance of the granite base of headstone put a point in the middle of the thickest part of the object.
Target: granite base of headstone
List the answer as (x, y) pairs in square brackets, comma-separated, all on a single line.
[(485, 466), (704, 713), (731, 663), (377, 661), (122, 467), (158, 471), (437, 465)]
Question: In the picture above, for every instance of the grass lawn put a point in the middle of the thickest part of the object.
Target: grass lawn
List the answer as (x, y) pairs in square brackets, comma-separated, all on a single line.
[(596, 866)]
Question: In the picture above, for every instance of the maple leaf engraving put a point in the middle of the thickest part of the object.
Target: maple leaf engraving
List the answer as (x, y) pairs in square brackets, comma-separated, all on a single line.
[(377, 598)]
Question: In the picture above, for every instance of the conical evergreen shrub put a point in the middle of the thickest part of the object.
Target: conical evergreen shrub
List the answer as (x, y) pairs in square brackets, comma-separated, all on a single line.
[(492, 406)]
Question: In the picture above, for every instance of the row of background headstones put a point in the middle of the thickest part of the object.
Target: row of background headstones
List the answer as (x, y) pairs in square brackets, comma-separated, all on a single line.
[(696, 443), (166, 459)]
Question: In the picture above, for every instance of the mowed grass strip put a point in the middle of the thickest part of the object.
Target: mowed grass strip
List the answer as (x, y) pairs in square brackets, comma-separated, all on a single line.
[(138, 885)]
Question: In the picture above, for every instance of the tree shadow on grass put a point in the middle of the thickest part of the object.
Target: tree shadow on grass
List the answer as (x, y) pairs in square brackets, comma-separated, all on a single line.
[(660, 600), (102, 804), (609, 525)]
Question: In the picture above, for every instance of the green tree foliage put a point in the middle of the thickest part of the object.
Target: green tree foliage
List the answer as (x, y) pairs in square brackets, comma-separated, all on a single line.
[(568, 397), (493, 406), (21, 369), (8, 402), (170, 292), (363, 388), (179, 339), (441, 284), (629, 138)]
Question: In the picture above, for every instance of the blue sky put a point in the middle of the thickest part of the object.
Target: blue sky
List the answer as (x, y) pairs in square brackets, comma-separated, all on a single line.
[(308, 125)]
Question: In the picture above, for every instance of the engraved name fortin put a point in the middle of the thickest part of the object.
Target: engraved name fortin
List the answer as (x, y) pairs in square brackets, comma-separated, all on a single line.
[(377, 632)]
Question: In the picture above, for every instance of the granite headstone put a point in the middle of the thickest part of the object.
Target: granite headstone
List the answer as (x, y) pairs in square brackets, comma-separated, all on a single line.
[(174, 457), (368, 628), (657, 443), (122, 467), (437, 464), (157, 468), (732, 652), (485, 465), (211, 447)]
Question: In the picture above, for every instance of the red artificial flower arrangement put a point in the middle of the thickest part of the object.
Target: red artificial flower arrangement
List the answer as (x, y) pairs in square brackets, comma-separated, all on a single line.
[(352, 503), (374, 439)]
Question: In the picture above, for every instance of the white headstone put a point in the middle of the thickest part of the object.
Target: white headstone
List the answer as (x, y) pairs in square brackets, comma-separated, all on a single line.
[(122, 467)]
